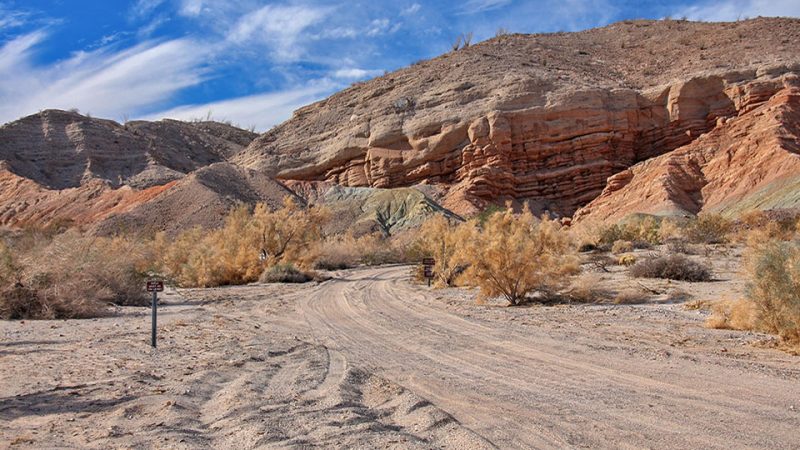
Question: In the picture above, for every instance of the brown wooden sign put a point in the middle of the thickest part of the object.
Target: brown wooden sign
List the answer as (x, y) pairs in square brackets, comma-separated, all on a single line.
[(155, 286), (428, 262)]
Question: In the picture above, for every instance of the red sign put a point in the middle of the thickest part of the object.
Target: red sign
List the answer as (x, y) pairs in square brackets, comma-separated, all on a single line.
[(155, 286)]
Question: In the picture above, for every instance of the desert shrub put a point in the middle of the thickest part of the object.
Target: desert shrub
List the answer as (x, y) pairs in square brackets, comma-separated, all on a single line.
[(678, 246), (778, 224), (672, 267), (247, 243), (631, 296), (285, 273), (343, 252), (669, 229), (444, 240), (708, 229), (773, 268), (621, 246), (732, 314), (337, 253), (75, 276), (626, 260), (643, 232), (599, 262), (515, 255), (586, 289)]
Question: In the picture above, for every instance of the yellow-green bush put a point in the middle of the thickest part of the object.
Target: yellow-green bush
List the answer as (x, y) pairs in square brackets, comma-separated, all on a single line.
[(445, 240), (71, 276), (247, 244), (513, 255)]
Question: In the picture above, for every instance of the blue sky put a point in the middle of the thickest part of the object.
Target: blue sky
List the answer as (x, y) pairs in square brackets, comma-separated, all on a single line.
[(254, 61)]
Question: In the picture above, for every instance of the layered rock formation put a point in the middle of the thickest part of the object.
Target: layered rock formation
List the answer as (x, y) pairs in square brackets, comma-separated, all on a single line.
[(545, 118), (751, 161), (667, 117), (62, 167)]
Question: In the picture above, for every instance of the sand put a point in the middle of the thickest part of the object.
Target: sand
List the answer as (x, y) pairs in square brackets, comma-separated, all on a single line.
[(370, 360)]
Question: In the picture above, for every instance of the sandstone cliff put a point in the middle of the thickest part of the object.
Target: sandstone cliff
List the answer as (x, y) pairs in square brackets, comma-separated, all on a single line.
[(751, 161), (544, 118)]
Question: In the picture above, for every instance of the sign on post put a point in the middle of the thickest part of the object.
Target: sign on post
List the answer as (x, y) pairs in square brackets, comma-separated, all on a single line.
[(427, 266), (154, 286)]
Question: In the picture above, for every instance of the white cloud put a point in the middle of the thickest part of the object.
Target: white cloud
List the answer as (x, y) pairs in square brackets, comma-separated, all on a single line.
[(103, 82), (191, 8), (10, 18), (476, 6), (411, 10), (280, 27), (729, 10), (143, 8), (356, 73), (261, 111)]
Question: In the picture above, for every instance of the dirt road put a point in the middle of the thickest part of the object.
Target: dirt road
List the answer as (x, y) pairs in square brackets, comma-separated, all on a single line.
[(539, 386), (368, 360)]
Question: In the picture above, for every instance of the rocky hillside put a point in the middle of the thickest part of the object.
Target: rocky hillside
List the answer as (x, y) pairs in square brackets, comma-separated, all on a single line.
[(59, 166), (544, 118), (751, 161), (665, 117)]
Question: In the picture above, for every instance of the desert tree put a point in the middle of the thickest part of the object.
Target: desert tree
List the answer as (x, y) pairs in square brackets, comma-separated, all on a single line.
[(444, 239), (517, 254)]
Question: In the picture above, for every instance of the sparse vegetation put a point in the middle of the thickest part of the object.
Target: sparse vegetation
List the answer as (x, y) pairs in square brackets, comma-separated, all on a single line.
[(517, 254), (774, 287), (621, 246), (626, 260), (245, 246), (672, 267), (285, 273), (708, 229), (69, 275), (444, 240)]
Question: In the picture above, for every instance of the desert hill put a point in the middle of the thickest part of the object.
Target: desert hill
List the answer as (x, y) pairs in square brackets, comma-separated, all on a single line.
[(747, 162), (545, 118), (667, 117)]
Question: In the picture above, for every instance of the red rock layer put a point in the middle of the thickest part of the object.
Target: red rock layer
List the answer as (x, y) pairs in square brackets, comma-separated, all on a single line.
[(751, 161)]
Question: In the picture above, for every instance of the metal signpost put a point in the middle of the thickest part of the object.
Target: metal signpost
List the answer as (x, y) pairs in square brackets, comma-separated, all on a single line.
[(154, 286), (427, 265)]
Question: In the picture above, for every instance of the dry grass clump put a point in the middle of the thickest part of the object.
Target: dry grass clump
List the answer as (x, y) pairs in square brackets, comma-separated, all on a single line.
[(285, 273), (513, 255), (71, 276), (672, 267), (774, 288), (621, 246), (737, 314), (631, 296), (626, 260), (708, 229), (245, 246), (772, 304), (586, 289), (445, 240), (344, 252)]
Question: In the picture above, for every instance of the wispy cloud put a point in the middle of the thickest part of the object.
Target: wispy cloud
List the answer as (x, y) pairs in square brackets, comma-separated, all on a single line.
[(261, 111), (280, 27), (143, 8), (356, 74), (729, 10), (191, 8), (411, 9), (476, 6), (105, 82)]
